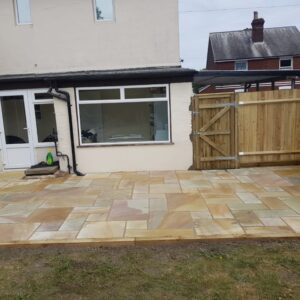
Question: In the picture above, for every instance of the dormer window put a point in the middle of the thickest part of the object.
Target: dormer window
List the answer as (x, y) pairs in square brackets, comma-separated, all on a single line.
[(23, 12), (104, 10), (286, 63), (241, 65)]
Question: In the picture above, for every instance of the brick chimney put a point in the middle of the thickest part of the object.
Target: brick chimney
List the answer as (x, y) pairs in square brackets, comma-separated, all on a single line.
[(257, 28)]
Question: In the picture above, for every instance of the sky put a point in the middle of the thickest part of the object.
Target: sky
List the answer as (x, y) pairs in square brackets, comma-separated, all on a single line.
[(200, 17)]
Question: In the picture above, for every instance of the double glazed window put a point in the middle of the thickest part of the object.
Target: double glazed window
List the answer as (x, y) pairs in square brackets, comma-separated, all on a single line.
[(104, 10), (44, 117), (23, 12), (124, 115)]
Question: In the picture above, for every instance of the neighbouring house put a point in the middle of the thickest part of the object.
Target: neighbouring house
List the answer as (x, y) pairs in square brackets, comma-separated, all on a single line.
[(104, 76), (257, 48)]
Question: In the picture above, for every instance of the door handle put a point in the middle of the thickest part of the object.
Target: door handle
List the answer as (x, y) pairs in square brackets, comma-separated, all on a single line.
[(25, 128)]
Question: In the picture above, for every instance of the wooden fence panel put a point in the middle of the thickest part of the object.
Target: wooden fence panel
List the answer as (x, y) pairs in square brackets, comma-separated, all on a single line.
[(214, 127), (269, 127)]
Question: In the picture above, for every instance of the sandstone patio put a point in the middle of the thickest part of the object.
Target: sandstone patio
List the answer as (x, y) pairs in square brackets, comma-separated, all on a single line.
[(150, 206)]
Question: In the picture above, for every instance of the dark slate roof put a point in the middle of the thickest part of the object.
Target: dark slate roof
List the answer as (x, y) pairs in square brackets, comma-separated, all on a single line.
[(233, 45)]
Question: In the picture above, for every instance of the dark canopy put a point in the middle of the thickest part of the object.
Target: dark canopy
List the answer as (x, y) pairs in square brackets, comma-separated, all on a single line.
[(242, 77)]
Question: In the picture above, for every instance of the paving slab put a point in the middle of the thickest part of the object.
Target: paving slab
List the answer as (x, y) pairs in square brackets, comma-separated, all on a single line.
[(128, 207)]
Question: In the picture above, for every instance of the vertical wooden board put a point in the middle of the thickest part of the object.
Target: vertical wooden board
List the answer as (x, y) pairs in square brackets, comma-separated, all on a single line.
[(213, 145), (195, 129), (297, 125), (277, 126)]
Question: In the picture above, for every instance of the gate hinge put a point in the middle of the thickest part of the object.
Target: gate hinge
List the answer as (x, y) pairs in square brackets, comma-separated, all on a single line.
[(197, 133)]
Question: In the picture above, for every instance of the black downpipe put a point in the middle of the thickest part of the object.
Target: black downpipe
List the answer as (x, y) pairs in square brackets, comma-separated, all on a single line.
[(65, 96)]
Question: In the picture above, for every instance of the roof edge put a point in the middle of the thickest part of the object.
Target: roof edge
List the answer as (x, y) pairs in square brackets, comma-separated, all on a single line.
[(294, 26), (102, 74)]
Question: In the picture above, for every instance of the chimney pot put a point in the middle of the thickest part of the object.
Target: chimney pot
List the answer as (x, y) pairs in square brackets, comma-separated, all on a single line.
[(257, 28)]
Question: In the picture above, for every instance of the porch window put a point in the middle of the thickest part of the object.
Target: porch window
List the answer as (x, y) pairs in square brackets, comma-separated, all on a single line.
[(104, 10), (128, 115), (241, 65), (44, 117), (23, 12)]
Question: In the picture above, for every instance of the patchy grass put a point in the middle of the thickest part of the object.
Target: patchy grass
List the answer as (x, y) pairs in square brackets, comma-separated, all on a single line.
[(229, 270)]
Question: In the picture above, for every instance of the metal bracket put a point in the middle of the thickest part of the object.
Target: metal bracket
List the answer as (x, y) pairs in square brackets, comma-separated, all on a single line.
[(194, 113), (196, 133)]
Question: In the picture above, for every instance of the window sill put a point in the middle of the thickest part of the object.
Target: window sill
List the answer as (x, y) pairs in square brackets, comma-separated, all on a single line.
[(105, 21), (126, 145), (24, 24)]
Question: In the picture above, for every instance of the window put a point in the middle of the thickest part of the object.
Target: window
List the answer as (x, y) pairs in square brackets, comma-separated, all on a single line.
[(104, 10), (286, 63), (124, 115), (14, 120), (23, 12), (44, 117), (241, 65)]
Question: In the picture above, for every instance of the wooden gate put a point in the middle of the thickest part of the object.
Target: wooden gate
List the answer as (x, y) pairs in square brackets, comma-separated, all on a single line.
[(214, 131), (247, 129)]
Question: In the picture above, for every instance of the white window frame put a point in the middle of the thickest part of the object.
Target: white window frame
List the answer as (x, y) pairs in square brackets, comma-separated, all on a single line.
[(241, 61), (17, 13), (113, 19), (123, 100), (286, 58), (33, 102)]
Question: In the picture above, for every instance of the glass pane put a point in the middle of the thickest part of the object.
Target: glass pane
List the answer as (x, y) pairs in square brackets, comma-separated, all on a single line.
[(14, 120), (106, 94), (285, 63), (124, 122), (42, 96), (241, 66), (45, 122), (147, 92), (104, 10), (23, 11)]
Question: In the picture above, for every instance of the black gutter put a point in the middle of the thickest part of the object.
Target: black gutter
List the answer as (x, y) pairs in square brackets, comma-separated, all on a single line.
[(146, 73), (65, 96)]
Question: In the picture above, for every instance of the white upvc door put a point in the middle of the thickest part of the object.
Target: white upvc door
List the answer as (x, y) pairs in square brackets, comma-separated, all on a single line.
[(15, 131)]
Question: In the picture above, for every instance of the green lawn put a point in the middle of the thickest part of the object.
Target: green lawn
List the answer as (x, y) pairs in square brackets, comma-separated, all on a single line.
[(225, 270)]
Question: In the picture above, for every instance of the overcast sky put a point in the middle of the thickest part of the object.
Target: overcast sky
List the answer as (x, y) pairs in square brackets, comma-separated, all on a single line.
[(200, 17)]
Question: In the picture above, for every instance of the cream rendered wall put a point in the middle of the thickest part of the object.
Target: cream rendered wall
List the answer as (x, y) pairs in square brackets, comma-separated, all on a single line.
[(135, 158), (63, 129), (64, 36)]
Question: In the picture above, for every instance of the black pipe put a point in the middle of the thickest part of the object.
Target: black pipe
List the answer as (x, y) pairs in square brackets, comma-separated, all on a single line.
[(65, 96), (60, 154)]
